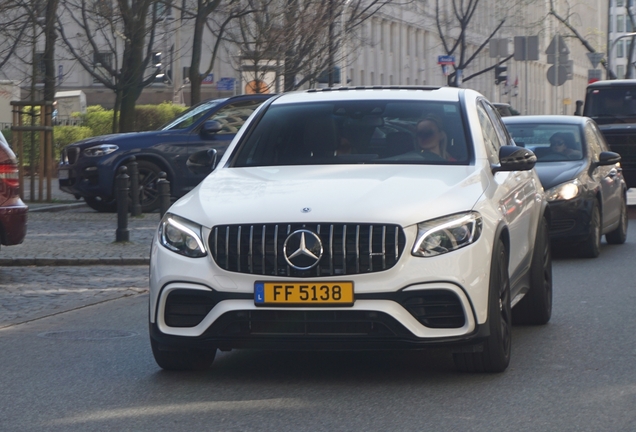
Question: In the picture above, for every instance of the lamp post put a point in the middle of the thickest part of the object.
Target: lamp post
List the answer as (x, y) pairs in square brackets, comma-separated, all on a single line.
[(611, 48)]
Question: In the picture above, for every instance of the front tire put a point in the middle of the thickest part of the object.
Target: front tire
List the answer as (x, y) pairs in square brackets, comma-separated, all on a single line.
[(495, 356), (536, 306), (182, 360), (591, 248), (149, 195), (619, 235)]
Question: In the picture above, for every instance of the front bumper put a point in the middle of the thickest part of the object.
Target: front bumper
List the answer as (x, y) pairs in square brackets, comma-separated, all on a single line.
[(421, 302), (570, 220), (13, 222)]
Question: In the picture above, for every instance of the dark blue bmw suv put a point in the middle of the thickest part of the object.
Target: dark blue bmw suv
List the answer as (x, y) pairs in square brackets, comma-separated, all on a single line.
[(88, 168)]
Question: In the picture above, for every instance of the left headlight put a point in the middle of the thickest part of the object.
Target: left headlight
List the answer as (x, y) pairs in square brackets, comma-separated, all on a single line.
[(564, 191), (181, 236), (439, 236), (100, 150)]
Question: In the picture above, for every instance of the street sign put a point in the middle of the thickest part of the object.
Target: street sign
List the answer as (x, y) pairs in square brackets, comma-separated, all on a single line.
[(446, 60), (559, 77), (557, 49), (498, 47), (209, 79), (526, 48), (593, 75), (595, 58), (225, 84)]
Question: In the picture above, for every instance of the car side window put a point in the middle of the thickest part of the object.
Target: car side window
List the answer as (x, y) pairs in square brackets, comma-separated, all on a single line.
[(491, 139), (500, 129), (594, 147), (233, 116)]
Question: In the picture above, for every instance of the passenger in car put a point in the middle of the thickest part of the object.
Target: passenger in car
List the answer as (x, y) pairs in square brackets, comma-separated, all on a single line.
[(431, 137)]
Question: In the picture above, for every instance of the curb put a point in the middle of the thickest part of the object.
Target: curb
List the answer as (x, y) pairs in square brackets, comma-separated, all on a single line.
[(55, 207), (59, 262)]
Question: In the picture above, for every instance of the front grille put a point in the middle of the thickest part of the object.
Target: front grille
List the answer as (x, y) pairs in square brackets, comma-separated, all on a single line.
[(70, 154), (187, 308), (436, 308), (307, 323), (347, 248)]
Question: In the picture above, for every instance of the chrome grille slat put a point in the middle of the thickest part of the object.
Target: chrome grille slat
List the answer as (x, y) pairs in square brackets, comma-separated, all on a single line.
[(347, 248)]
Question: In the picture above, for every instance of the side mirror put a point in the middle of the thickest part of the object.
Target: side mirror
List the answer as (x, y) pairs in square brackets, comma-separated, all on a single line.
[(579, 108), (211, 127), (202, 162), (608, 158), (513, 158)]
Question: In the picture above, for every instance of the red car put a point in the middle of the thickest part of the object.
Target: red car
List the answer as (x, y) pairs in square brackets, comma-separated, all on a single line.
[(13, 212)]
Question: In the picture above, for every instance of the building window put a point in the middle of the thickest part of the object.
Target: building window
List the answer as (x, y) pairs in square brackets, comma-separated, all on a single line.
[(620, 71), (40, 72), (620, 2), (361, 77), (628, 25), (620, 23), (609, 24), (620, 49)]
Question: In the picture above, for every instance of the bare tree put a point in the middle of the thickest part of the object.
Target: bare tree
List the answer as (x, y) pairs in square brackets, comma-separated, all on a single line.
[(115, 46), (203, 9), (455, 28), (300, 39), (566, 20), (17, 17)]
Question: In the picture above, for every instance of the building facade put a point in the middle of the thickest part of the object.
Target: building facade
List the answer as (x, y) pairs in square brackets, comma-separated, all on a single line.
[(400, 45)]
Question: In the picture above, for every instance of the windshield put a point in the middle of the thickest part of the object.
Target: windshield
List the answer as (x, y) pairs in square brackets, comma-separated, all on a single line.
[(189, 117), (370, 132), (613, 102), (549, 142)]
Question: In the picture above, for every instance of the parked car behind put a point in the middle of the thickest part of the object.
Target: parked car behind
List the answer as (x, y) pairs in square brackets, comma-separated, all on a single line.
[(583, 179), (13, 212), (366, 218), (88, 168)]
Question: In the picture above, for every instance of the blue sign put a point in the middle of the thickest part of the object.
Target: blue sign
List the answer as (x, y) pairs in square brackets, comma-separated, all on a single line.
[(225, 83), (208, 79), (259, 292), (446, 59)]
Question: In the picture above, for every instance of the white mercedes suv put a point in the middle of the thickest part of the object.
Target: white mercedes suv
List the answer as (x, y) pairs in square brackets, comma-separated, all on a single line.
[(356, 218)]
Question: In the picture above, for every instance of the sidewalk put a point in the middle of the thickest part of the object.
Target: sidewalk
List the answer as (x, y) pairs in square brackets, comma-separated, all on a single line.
[(72, 234)]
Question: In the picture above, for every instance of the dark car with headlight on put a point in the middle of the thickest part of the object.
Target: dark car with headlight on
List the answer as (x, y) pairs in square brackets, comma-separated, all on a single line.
[(88, 168), (583, 180)]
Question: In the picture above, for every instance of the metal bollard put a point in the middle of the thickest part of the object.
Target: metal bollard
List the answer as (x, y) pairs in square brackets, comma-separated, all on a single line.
[(122, 234), (163, 188), (135, 209)]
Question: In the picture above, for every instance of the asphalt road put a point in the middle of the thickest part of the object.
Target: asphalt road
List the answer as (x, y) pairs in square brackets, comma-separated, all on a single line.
[(90, 368)]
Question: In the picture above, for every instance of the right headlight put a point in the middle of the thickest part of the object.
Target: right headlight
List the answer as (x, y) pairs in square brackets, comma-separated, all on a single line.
[(181, 236), (439, 236), (564, 191), (100, 150)]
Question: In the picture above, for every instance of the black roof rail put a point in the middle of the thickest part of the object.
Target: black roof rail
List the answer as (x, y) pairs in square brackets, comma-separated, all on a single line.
[(375, 87)]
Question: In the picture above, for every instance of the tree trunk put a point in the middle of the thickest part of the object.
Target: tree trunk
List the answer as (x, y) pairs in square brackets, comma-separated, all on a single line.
[(195, 63)]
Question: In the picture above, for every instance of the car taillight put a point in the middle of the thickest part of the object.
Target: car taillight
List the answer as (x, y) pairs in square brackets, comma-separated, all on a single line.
[(9, 175)]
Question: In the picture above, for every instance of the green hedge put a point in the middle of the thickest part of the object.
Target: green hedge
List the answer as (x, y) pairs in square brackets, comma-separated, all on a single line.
[(97, 121)]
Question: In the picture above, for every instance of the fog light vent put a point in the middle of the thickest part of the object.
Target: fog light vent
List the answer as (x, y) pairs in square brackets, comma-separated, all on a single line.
[(436, 308), (187, 308)]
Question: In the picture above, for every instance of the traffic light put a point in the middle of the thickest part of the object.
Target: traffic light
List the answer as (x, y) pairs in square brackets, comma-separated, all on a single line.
[(500, 74)]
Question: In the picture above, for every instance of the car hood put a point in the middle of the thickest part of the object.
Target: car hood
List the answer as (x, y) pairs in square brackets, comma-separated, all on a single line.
[(554, 173), (397, 194), (131, 138)]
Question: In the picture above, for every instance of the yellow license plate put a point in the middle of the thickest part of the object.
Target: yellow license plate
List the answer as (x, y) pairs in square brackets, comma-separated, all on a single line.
[(303, 293)]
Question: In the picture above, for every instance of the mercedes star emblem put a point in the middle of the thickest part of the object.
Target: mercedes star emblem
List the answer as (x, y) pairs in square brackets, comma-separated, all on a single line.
[(302, 249)]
